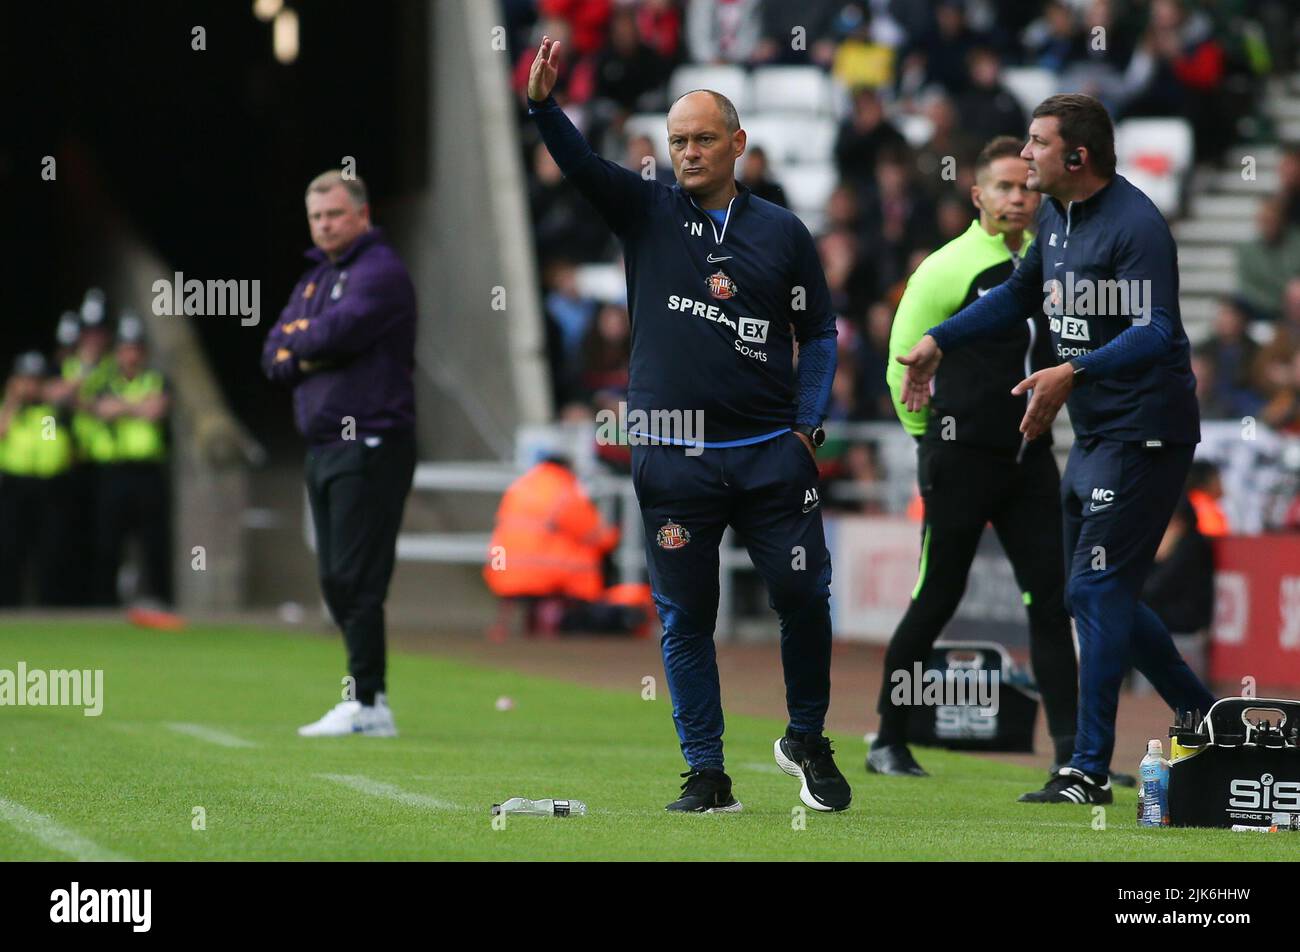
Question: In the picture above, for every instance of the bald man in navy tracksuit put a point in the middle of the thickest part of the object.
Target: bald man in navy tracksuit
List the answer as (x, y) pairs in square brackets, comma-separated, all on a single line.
[(1104, 268), (721, 284)]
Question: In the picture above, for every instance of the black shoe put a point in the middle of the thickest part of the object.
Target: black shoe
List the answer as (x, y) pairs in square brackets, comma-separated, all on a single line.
[(810, 758), (893, 760), (1117, 779), (1070, 785), (705, 791)]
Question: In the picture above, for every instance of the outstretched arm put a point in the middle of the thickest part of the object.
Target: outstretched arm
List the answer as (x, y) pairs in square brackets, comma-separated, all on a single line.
[(619, 194)]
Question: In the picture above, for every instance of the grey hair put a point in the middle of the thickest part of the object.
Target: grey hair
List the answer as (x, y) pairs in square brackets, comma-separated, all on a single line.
[(353, 184), (730, 117)]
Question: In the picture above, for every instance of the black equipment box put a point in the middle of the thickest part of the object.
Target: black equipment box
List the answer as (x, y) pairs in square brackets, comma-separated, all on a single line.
[(1240, 764), (971, 696)]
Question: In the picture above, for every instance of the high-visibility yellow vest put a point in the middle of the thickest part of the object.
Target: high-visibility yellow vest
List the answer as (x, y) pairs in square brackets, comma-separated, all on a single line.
[(91, 436), (37, 443), (135, 439)]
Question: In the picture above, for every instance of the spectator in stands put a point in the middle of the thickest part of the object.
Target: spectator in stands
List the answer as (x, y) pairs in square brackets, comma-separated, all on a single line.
[(577, 80), (986, 108), (1180, 588), (1186, 50), (659, 22), (1054, 42), (843, 210), (755, 173), (1209, 396), (1105, 50), (586, 22), (796, 33), (1272, 371), (844, 389), (568, 315), (950, 151), (898, 215), (856, 486), (641, 156), (946, 47), (723, 31), (561, 217), (863, 136), (867, 44), (628, 71), (1288, 180), (848, 273), (1265, 264), (954, 217), (1232, 354), (607, 352), (872, 357), (1204, 490)]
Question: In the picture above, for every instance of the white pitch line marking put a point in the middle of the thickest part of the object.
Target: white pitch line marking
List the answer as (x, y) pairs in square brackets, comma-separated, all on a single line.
[(376, 788), (40, 827), (211, 735)]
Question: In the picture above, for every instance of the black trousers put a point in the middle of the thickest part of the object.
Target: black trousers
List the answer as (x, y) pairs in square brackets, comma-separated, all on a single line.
[(133, 498), (357, 494), (35, 527), (964, 488)]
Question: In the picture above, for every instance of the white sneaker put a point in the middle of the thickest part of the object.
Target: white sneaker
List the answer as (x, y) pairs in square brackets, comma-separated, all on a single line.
[(353, 717)]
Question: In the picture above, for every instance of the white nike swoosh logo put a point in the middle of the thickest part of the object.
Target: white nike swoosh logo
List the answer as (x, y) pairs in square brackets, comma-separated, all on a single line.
[(1058, 264), (712, 260), (980, 292), (1097, 508)]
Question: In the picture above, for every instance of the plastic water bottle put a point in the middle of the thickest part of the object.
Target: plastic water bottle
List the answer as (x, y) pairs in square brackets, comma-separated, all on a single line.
[(1153, 798), (519, 806)]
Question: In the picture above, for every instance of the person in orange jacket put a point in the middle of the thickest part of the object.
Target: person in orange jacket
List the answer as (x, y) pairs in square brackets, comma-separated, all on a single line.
[(549, 537), (1204, 490), (549, 543)]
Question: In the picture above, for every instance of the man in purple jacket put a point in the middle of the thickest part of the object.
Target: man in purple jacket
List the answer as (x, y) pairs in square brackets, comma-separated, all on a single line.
[(345, 342)]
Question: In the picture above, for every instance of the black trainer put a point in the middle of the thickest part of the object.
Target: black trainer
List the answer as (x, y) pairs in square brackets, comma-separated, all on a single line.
[(893, 760), (1117, 779), (705, 791), (1071, 785), (810, 758)]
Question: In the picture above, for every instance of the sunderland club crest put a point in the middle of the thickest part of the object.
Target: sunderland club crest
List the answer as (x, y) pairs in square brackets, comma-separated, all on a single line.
[(672, 536), (721, 286)]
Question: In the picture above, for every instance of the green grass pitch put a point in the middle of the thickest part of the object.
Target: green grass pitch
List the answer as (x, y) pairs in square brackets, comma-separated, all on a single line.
[(206, 718)]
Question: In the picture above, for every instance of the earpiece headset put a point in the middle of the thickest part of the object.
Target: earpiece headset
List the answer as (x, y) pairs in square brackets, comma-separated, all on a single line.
[(1073, 160)]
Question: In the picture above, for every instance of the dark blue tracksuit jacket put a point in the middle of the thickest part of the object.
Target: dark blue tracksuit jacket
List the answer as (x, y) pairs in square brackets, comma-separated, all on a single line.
[(716, 309), (1105, 272), (1141, 386), (730, 357)]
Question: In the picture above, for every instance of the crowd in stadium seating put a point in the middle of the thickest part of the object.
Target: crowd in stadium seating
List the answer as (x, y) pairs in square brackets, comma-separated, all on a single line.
[(894, 62), (83, 466)]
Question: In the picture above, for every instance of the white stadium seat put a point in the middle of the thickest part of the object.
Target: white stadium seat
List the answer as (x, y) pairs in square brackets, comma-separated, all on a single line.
[(732, 81), (917, 130), (805, 90), (654, 125), (1029, 84), (1139, 139), (791, 138), (606, 283), (1155, 155), (807, 185)]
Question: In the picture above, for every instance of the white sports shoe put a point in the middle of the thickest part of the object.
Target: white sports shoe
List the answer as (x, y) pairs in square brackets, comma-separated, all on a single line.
[(353, 717)]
